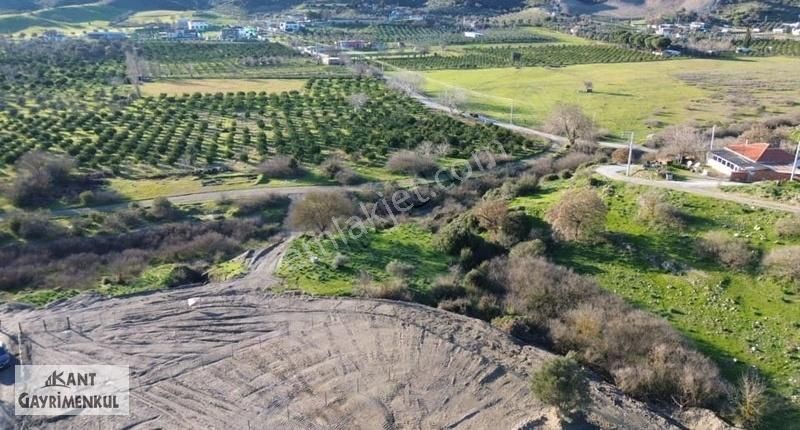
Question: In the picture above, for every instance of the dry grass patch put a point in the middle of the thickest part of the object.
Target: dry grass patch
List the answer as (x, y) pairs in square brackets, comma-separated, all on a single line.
[(189, 86)]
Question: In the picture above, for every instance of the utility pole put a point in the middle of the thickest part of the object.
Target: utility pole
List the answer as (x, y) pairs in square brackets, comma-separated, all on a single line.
[(711, 144), (794, 166), (630, 156)]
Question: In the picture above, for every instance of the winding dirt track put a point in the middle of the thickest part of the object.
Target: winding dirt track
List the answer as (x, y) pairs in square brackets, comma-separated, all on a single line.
[(236, 356)]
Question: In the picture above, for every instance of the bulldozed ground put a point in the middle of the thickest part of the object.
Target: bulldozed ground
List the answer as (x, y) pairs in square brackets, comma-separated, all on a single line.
[(235, 355)]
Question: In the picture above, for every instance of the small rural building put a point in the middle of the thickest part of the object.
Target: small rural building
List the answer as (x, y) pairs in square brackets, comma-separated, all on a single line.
[(330, 60), (473, 34), (192, 24), (752, 162), (352, 44), (290, 26), (697, 26), (106, 35)]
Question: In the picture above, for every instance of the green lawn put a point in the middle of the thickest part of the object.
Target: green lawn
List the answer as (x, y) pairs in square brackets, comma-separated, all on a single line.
[(643, 97), (408, 243), (739, 319)]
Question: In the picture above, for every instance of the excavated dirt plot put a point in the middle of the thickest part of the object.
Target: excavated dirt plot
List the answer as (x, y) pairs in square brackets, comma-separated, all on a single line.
[(232, 356)]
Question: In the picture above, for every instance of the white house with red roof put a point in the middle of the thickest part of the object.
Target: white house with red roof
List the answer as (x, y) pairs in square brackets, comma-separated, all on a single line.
[(751, 162)]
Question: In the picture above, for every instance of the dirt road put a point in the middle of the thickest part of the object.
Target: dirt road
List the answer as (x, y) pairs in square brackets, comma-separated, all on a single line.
[(700, 187)]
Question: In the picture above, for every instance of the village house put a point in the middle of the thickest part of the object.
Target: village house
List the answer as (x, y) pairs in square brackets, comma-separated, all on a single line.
[(290, 26), (752, 162), (192, 25), (352, 44)]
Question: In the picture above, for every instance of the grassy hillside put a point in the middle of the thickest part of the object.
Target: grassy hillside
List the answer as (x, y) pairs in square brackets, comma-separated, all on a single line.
[(739, 318), (643, 97)]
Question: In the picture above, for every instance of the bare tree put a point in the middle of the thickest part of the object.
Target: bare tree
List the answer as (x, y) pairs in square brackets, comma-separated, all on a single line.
[(579, 216), (491, 214), (407, 82), (133, 70), (453, 98), (570, 122), (681, 142), (358, 100), (318, 210)]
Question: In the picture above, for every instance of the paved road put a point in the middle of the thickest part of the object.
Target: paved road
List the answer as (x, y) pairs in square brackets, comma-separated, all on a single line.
[(700, 187), (433, 104)]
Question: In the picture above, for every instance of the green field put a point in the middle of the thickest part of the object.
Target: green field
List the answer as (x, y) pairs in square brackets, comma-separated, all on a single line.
[(737, 318), (643, 97), (408, 243), (69, 19)]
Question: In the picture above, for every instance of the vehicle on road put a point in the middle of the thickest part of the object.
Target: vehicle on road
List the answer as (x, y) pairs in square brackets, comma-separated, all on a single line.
[(5, 356)]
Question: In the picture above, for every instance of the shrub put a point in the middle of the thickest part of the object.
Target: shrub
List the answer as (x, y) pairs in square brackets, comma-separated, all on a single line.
[(538, 289), (788, 227), (511, 325), (456, 235), (162, 209), (460, 305), (348, 177), (620, 156), (531, 248), (318, 210), (446, 287), (726, 250), (261, 203), (33, 226), (399, 269), (672, 371), (656, 211), (411, 163), (750, 401), (784, 262), (334, 168), (98, 198), (571, 162), (40, 177), (280, 167), (527, 184), (395, 289), (578, 216), (561, 382), (339, 261)]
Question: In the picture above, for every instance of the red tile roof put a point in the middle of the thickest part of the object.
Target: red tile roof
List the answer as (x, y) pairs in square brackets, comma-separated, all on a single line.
[(762, 153)]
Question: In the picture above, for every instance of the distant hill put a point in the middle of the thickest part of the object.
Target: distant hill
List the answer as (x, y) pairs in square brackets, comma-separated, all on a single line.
[(745, 11)]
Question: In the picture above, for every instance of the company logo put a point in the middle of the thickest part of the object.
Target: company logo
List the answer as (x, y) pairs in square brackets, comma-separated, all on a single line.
[(71, 390)]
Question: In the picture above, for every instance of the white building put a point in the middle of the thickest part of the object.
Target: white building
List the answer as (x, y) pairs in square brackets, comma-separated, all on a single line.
[(290, 26), (473, 34), (197, 25), (697, 25)]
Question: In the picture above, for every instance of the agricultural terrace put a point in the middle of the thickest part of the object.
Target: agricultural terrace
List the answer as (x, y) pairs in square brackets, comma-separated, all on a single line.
[(520, 56), (421, 35), (642, 97), (775, 47), (229, 60), (737, 316)]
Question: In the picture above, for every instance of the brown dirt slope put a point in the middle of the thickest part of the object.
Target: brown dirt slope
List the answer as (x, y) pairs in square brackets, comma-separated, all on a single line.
[(237, 357)]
